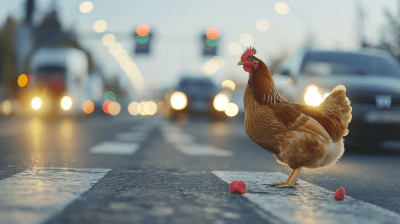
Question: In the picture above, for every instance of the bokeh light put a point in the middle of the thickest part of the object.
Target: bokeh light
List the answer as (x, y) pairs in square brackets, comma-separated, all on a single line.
[(6, 107), (115, 48), (178, 100), (221, 101), (108, 40), (212, 33), (30, 80), (143, 30), (36, 103), (228, 84), (235, 48), (86, 7), (152, 108), (133, 108), (88, 107), (213, 65), (142, 111), (246, 39), (281, 8), (105, 106), (22, 80), (231, 110), (100, 26), (110, 95), (66, 103), (114, 108), (143, 40), (262, 25)]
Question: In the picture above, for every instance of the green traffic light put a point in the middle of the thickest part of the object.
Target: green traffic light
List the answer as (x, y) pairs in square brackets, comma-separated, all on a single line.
[(110, 95), (211, 43), (143, 40)]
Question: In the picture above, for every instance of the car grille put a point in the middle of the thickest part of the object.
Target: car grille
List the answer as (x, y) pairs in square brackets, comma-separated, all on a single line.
[(371, 101)]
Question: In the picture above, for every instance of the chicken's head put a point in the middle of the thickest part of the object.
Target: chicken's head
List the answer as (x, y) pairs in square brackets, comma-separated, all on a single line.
[(248, 61)]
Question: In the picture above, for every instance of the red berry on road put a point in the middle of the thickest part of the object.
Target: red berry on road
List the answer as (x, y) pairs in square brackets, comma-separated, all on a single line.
[(339, 195), (238, 187)]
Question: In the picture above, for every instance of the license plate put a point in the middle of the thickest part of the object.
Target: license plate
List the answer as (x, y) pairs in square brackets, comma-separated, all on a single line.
[(200, 105), (382, 117)]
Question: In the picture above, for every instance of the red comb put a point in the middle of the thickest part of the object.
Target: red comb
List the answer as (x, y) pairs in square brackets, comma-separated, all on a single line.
[(248, 52)]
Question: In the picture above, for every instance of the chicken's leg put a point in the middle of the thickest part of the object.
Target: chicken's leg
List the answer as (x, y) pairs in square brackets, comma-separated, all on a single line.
[(292, 182), (286, 181)]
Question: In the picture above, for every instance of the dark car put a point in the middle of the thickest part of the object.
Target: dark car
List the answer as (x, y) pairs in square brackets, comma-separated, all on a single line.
[(195, 95), (372, 80)]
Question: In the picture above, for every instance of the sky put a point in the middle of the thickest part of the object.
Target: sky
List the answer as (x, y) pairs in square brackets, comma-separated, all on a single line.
[(178, 24)]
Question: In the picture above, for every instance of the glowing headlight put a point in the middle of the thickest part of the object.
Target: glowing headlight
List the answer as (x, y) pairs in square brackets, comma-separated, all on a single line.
[(66, 103), (313, 96), (36, 103), (221, 101), (178, 100)]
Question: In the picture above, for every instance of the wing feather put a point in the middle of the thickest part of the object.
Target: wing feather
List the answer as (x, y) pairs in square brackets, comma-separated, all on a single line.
[(294, 119)]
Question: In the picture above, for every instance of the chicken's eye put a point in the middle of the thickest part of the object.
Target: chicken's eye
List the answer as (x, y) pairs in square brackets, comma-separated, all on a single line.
[(251, 59)]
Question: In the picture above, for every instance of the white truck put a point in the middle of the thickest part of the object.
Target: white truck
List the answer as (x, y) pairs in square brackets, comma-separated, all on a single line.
[(60, 78)]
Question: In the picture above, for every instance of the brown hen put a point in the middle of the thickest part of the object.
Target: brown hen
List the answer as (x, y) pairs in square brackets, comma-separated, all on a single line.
[(297, 135)]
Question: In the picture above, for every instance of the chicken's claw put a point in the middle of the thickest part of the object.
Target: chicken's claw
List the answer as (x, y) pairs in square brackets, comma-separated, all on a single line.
[(286, 186), (278, 184)]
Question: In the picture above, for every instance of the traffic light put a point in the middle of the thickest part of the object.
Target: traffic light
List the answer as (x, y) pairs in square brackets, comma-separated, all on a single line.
[(209, 46), (142, 44)]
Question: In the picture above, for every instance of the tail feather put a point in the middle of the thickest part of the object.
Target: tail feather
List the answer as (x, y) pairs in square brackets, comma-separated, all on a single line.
[(337, 106), (334, 113)]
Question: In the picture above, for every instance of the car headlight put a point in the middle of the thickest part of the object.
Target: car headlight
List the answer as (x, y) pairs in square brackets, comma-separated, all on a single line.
[(66, 103), (36, 103), (178, 100), (221, 101), (314, 95)]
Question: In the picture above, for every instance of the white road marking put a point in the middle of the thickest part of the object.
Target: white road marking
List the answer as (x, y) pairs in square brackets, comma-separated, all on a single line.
[(174, 137), (306, 204), (131, 136), (118, 148), (37, 194), (185, 143), (202, 150)]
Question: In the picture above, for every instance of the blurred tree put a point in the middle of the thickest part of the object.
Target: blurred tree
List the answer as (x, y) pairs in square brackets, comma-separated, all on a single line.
[(49, 33), (360, 25), (8, 69), (390, 33)]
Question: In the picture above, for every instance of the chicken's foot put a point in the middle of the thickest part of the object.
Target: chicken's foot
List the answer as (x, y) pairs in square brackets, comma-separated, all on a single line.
[(286, 181), (292, 182)]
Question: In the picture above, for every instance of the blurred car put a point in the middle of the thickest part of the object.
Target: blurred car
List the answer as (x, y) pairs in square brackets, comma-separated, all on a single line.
[(372, 80), (197, 95)]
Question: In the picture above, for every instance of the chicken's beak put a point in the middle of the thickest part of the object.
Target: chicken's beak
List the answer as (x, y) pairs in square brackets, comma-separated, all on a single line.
[(241, 63)]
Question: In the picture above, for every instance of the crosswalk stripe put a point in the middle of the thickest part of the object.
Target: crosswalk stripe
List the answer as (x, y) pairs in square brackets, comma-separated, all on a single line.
[(118, 148), (203, 150), (185, 143), (306, 204), (37, 194)]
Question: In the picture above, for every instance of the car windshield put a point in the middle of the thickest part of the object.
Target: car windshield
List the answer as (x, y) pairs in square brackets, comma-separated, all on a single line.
[(325, 64)]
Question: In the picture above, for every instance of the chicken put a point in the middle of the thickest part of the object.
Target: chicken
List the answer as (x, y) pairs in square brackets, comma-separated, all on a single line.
[(299, 136)]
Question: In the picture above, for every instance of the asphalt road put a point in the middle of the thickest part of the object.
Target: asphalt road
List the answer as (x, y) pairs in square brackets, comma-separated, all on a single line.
[(127, 169)]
